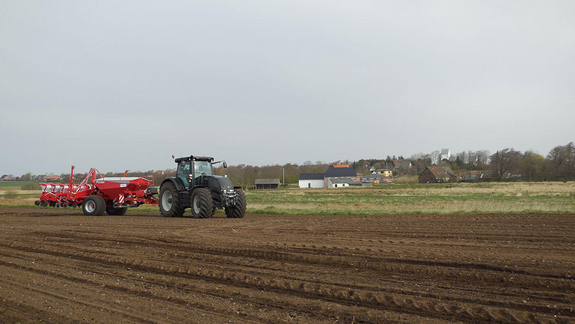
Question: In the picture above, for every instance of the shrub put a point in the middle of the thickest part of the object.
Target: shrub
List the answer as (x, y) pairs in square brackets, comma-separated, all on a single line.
[(11, 194)]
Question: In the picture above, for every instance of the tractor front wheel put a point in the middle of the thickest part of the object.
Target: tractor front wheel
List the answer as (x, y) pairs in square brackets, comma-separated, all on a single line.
[(239, 210), (169, 201), (202, 204), (94, 206)]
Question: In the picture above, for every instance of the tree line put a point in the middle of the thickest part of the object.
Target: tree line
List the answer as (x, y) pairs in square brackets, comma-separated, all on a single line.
[(558, 165), (508, 163)]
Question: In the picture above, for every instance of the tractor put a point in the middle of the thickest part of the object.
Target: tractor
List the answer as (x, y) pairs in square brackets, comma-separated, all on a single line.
[(195, 186)]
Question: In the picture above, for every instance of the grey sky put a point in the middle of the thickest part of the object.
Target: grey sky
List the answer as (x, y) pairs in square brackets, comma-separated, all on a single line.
[(125, 84)]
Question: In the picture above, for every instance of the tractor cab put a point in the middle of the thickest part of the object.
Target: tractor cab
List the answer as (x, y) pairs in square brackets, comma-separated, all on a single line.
[(193, 170)]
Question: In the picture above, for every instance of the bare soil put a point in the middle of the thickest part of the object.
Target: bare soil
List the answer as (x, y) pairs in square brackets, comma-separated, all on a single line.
[(59, 266)]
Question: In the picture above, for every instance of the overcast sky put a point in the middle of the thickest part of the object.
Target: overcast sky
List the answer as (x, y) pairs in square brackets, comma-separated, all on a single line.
[(121, 85)]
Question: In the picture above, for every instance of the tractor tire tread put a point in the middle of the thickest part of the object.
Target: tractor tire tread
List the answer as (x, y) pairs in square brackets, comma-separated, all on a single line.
[(206, 204), (176, 210), (239, 210)]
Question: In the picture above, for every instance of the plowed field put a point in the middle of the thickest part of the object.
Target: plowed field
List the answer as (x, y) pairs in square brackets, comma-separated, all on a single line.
[(59, 266)]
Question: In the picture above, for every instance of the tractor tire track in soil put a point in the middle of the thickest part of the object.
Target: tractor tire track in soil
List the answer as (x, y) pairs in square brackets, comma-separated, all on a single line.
[(60, 266)]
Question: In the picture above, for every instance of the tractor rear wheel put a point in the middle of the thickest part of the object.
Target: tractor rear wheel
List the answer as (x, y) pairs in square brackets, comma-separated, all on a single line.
[(116, 211), (94, 206), (202, 204), (239, 210), (169, 201)]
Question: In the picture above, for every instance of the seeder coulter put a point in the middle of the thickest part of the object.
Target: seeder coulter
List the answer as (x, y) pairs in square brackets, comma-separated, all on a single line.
[(97, 194)]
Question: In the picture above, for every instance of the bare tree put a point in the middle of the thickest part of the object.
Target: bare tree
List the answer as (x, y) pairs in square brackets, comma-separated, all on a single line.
[(419, 162), (505, 161), (460, 159), (561, 162), (435, 157), (482, 159)]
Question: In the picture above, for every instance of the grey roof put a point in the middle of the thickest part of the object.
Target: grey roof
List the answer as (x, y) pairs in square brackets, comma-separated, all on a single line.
[(340, 180), (267, 181), (448, 170), (311, 176), (402, 165), (340, 172)]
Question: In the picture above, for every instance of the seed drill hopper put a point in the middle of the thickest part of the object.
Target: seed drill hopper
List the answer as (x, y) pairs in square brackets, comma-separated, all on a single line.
[(97, 194)]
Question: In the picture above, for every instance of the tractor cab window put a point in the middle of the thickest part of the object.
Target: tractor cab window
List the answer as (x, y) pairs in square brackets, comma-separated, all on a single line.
[(183, 172), (202, 167)]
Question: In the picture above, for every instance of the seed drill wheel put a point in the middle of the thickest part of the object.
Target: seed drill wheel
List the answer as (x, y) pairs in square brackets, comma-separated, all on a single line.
[(170, 201), (116, 211), (202, 203), (94, 206), (239, 210)]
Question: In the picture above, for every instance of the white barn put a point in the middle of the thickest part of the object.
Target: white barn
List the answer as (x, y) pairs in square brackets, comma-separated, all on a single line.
[(311, 180)]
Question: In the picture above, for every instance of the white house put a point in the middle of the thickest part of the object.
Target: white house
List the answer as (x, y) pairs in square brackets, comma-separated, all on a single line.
[(311, 180)]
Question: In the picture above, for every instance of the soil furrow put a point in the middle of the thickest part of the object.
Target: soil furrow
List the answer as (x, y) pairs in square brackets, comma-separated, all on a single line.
[(286, 268)]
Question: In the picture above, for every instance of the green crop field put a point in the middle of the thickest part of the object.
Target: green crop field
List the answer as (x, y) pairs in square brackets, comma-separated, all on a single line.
[(536, 197), (554, 197), (10, 184)]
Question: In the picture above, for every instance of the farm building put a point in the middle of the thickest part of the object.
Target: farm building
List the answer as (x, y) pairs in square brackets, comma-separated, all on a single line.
[(338, 175), (338, 182), (311, 180), (267, 183), (340, 171), (434, 174)]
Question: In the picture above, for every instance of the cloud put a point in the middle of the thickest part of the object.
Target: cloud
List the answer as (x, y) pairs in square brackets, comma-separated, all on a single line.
[(118, 85)]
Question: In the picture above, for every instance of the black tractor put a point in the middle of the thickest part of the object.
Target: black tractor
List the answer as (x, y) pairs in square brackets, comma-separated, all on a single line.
[(195, 186)]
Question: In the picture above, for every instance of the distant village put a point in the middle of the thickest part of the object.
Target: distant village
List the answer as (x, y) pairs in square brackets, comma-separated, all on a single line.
[(437, 167)]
